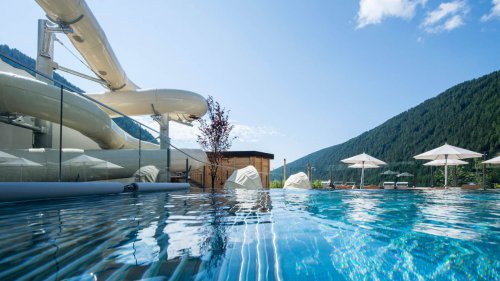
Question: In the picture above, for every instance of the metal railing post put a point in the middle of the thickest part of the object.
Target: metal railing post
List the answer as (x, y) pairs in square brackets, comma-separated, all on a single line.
[(187, 169), (140, 151), (60, 134)]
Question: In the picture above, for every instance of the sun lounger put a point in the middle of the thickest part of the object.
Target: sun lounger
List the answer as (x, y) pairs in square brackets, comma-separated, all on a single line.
[(337, 183), (388, 185), (402, 185)]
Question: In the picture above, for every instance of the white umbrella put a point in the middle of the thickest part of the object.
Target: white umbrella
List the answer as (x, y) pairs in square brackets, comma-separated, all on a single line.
[(83, 160), (106, 166), (21, 162), (492, 161), (6, 156), (363, 159), (363, 166), (405, 174), (447, 152), (448, 162), (366, 166), (495, 160)]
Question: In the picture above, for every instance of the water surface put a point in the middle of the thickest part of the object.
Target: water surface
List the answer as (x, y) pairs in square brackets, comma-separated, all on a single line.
[(255, 235)]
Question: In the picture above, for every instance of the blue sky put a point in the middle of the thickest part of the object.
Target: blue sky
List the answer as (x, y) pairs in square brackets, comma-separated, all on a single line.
[(297, 76)]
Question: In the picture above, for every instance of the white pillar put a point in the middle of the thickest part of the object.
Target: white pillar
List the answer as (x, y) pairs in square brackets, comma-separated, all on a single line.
[(44, 65), (164, 121), (362, 184), (446, 171)]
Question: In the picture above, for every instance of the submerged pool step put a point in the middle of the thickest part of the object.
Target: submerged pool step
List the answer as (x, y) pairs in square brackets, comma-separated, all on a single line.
[(19, 191)]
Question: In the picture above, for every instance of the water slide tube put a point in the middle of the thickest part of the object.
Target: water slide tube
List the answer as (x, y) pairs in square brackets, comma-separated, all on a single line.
[(18, 93), (89, 39), (125, 96), (179, 105), (28, 96)]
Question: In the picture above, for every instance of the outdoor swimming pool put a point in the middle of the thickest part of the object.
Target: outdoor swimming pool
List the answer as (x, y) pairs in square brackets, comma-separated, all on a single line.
[(255, 235)]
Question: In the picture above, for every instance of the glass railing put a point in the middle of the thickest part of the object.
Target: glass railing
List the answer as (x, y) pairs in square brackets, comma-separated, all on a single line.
[(88, 146)]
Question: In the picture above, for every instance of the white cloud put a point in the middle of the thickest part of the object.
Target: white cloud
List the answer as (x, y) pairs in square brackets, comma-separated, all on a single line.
[(374, 11), (446, 17), (247, 133), (454, 22), (494, 13), (183, 133), (186, 136), (179, 134)]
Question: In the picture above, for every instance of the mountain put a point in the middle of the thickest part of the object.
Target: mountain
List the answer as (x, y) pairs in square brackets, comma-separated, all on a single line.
[(466, 115), (28, 64)]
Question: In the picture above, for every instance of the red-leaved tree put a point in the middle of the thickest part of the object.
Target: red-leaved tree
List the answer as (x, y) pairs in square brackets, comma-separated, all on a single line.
[(215, 136)]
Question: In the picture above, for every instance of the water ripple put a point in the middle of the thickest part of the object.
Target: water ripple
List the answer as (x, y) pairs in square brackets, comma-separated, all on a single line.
[(255, 235)]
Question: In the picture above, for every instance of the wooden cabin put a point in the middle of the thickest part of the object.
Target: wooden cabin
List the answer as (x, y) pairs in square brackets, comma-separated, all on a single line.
[(232, 161)]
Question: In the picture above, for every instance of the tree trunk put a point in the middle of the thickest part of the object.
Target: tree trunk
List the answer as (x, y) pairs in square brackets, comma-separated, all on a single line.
[(213, 173)]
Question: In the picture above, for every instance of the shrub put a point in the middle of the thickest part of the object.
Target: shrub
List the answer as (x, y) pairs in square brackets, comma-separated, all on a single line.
[(276, 184), (316, 184)]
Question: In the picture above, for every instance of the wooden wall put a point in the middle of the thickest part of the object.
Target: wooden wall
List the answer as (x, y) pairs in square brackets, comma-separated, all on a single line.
[(262, 165)]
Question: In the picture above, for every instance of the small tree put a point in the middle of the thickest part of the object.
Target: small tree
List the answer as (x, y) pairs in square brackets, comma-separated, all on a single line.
[(215, 136)]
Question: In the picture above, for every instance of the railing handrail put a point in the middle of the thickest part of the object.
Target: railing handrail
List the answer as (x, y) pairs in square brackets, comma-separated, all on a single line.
[(76, 91)]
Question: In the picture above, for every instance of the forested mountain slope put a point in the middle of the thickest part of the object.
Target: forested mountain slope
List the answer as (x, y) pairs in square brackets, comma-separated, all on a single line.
[(466, 115)]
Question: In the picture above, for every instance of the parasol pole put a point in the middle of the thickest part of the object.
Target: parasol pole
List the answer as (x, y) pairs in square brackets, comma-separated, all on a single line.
[(484, 172), (362, 184), (446, 171)]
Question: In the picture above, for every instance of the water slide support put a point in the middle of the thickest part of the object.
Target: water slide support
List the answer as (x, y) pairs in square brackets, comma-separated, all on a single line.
[(164, 122), (45, 65), (44, 59)]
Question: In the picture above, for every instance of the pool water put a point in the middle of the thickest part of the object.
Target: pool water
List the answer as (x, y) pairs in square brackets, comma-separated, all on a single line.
[(255, 235)]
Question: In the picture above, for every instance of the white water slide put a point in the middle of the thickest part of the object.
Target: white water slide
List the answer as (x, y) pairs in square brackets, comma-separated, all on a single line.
[(24, 95), (28, 96), (31, 97)]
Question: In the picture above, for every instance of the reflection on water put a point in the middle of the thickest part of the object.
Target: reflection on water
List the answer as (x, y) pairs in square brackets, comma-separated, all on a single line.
[(254, 235)]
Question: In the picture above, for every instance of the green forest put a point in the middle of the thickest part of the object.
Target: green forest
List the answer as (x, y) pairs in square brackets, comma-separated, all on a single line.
[(466, 115), (28, 64)]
